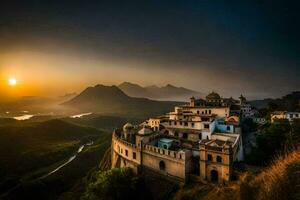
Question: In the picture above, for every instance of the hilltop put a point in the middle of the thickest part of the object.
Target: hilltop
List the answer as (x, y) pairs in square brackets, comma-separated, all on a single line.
[(112, 100), (289, 102), (168, 92)]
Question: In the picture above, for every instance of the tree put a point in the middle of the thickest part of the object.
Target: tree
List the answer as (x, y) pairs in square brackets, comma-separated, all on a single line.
[(115, 184)]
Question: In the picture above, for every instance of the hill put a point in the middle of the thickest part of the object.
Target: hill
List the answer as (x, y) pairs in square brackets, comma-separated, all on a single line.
[(289, 102), (29, 150), (168, 92), (112, 100), (107, 123)]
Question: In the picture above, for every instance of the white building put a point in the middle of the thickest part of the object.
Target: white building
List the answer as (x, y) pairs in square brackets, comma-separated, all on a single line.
[(284, 115)]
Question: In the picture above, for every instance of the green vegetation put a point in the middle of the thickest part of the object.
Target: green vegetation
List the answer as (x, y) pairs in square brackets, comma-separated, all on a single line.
[(29, 150), (289, 102), (115, 184), (277, 138), (104, 122)]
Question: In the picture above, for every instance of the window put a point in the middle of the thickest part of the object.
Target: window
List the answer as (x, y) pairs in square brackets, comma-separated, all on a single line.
[(205, 111), (134, 155), (200, 136), (175, 123), (193, 124), (228, 128), (180, 123), (291, 115), (296, 115), (219, 159), (206, 125), (209, 111), (202, 112), (126, 152), (186, 124), (198, 112), (209, 157)]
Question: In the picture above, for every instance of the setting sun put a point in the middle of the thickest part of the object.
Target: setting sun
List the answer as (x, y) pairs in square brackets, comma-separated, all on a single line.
[(12, 81)]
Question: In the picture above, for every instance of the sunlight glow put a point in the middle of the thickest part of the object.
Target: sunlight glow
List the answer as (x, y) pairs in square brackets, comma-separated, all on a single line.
[(12, 81)]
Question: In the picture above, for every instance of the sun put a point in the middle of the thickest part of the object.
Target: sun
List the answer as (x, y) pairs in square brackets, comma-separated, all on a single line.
[(12, 81)]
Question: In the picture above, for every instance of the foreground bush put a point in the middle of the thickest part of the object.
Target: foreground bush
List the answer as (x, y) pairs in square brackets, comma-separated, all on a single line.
[(115, 184)]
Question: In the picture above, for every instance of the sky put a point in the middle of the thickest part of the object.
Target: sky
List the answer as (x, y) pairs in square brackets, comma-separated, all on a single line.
[(232, 47)]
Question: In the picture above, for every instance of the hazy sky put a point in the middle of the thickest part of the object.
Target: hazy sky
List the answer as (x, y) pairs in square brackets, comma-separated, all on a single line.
[(233, 47)]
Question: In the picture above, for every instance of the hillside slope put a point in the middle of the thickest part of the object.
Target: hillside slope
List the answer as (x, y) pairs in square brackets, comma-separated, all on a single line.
[(280, 181), (111, 100), (26, 148)]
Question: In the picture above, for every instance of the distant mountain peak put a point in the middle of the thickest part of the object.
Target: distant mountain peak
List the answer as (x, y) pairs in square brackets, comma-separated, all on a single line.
[(172, 86), (167, 92), (111, 99)]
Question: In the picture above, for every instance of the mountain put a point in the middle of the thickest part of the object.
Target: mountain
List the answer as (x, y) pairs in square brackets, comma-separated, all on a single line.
[(112, 100), (168, 92)]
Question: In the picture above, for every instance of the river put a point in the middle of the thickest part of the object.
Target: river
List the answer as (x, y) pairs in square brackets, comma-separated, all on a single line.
[(68, 161)]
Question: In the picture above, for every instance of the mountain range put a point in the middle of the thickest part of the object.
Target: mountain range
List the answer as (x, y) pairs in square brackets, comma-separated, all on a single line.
[(168, 92), (112, 100)]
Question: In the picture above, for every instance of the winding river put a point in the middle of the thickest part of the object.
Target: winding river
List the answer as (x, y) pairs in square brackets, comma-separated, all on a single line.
[(68, 161)]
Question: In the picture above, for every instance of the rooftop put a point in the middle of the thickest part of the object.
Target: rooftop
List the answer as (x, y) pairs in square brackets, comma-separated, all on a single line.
[(165, 140)]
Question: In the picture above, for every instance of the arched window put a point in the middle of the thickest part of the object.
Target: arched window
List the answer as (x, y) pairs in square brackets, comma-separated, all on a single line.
[(219, 159), (162, 165)]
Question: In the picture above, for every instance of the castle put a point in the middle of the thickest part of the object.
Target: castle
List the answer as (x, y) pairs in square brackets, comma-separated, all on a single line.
[(201, 138)]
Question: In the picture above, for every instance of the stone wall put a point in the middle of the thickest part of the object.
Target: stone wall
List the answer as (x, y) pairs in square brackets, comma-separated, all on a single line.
[(171, 163)]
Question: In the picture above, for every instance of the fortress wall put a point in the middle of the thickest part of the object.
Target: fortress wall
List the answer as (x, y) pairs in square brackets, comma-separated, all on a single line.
[(174, 164), (125, 151)]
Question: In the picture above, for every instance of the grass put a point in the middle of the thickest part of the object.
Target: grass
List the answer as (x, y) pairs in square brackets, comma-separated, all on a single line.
[(280, 181)]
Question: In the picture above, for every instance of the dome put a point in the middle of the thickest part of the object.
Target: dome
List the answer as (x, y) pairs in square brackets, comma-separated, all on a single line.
[(213, 95), (127, 126)]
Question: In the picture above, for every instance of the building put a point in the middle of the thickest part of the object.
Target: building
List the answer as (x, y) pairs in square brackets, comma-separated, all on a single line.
[(284, 115), (199, 138)]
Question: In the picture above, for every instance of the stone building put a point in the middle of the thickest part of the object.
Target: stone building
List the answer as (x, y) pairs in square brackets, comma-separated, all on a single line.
[(199, 138)]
